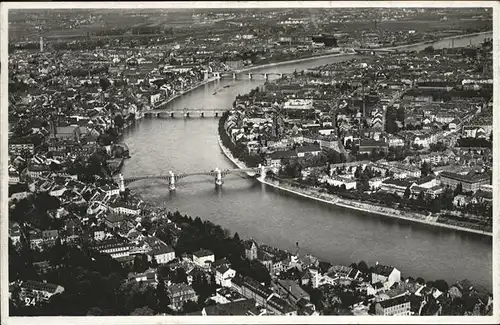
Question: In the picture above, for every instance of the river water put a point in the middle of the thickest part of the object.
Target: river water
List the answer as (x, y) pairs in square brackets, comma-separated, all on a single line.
[(270, 216)]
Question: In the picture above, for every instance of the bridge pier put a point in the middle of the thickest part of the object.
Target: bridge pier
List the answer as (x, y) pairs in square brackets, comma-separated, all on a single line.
[(172, 114), (121, 183), (234, 75), (202, 114), (262, 171), (218, 177), (281, 76), (216, 114), (250, 76), (186, 114), (171, 183), (266, 76)]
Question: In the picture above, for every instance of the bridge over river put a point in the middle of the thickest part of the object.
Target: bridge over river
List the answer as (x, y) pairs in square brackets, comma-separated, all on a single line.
[(217, 173), (237, 74), (186, 113)]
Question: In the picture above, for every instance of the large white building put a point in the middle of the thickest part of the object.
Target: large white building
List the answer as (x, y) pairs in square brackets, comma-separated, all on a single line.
[(203, 257), (224, 276), (387, 275), (39, 290), (350, 184), (298, 104), (159, 250), (398, 306), (114, 248)]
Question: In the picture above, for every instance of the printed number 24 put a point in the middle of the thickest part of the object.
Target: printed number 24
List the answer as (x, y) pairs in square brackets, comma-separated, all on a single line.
[(29, 301)]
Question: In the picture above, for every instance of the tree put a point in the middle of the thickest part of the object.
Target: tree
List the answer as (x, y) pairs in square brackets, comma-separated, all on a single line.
[(421, 198), (425, 169), (429, 49), (154, 263), (259, 272), (389, 200), (126, 194), (58, 251), (104, 83), (390, 125), (146, 224), (447, 199), (143, 311), (441, 285), (435, 205), (119, 121), (357, 173), (458, 190), (140, 263), (363, 267), (347, 299), (180, 276), (407, 193), (55, 166), (190, 307), (95, 311), (162, 296), (420, 281)]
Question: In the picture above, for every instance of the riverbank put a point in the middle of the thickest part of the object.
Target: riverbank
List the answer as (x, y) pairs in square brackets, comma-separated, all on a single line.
[(204, 82), (439, 40), (394, 213), (384, 211), (349, 204), (322, 56), (275, 64)]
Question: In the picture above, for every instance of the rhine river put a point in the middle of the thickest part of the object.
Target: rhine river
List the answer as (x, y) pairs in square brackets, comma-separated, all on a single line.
[(270, 216)]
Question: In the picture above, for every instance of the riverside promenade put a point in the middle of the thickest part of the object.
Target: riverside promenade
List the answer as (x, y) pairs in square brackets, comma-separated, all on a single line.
[(350, 204)]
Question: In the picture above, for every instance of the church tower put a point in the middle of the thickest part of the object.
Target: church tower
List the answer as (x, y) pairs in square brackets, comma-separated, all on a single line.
[(121, 184)]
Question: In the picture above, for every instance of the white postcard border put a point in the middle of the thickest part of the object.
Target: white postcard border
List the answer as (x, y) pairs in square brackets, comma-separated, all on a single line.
[(244, 319)]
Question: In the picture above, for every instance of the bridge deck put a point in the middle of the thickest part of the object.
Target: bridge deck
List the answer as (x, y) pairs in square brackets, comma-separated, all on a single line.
[(182, 112), (181, 175)]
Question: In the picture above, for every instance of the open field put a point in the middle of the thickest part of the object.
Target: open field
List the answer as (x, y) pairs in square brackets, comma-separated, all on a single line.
[(121, 22)]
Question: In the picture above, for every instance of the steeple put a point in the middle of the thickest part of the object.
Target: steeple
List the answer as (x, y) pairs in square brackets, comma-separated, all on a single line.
[(122, 184)]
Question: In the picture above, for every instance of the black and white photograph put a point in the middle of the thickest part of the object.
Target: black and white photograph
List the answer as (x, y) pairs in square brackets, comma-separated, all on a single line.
[(211, 162)]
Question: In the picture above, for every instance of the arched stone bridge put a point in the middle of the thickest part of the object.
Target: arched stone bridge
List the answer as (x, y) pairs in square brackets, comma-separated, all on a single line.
[(217, 173)]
